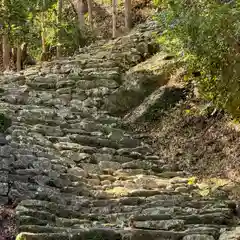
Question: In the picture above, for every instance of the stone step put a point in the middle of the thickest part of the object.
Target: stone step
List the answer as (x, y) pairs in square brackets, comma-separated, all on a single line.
[(145, 211), (75, 172), (130, 213), (54, 233), (84, 82)]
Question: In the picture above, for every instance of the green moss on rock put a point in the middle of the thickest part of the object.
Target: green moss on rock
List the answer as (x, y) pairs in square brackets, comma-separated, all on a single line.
[(5, 122)]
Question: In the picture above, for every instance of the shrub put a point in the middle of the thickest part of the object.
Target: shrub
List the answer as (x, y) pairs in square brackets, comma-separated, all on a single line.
[(206, 33)]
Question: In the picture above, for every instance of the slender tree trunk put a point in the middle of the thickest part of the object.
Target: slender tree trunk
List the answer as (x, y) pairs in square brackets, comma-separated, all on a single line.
[(60, 5), (128, 17), (114, 18), (44, 48), (90, 17), (5, 42), (43, 33), (14, 56), (80, 10), (24, 54), (19, 58), (6, 52)]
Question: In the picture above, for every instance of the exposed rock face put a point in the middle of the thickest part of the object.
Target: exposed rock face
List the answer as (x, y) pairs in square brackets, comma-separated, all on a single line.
[(139, 82), (234, 234), (155, 104), (75, 174)]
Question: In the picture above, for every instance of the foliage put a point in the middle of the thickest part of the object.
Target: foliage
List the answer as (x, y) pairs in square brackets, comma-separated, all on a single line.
[(206, 34), (68, 28), (24, 20)]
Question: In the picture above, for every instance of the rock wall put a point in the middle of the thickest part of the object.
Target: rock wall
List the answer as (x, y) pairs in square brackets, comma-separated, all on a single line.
[(139, 82), (73, 173)]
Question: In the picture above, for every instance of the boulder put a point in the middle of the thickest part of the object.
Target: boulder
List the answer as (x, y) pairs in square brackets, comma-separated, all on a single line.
[(156, 104), (139, 82)]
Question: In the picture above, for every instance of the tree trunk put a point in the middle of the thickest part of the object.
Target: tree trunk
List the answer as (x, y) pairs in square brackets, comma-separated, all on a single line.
[(19, 58), (43, 33), (24, 54), (6, 52), (128, 17), (14, 56), (44, 48), (90, 17), (114, 18), (80, 10), (5, 41), (60, 5)]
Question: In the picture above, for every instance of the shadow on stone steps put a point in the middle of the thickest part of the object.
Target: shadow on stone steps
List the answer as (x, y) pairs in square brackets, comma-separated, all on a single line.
[(154, 106)]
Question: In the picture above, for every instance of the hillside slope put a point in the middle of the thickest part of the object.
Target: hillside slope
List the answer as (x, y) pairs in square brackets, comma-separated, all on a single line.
[(72, 170), (190, 138)]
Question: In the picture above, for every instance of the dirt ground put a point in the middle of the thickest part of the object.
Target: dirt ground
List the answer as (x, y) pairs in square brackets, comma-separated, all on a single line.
[(7, 223), (190, 139)]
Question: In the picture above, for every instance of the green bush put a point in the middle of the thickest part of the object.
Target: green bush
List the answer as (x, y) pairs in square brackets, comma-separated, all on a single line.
[(206, 33)]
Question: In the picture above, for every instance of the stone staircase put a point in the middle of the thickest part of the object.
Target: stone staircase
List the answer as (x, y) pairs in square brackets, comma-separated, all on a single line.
[(74, 172)]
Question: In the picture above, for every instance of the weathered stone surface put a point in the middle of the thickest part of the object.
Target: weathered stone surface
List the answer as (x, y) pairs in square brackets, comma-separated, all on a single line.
[(161, 225), (198, 237), (41, 83), (17, 95), (4, 189), (75, 173), (158, 102), (139, 82), (234, 234)]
